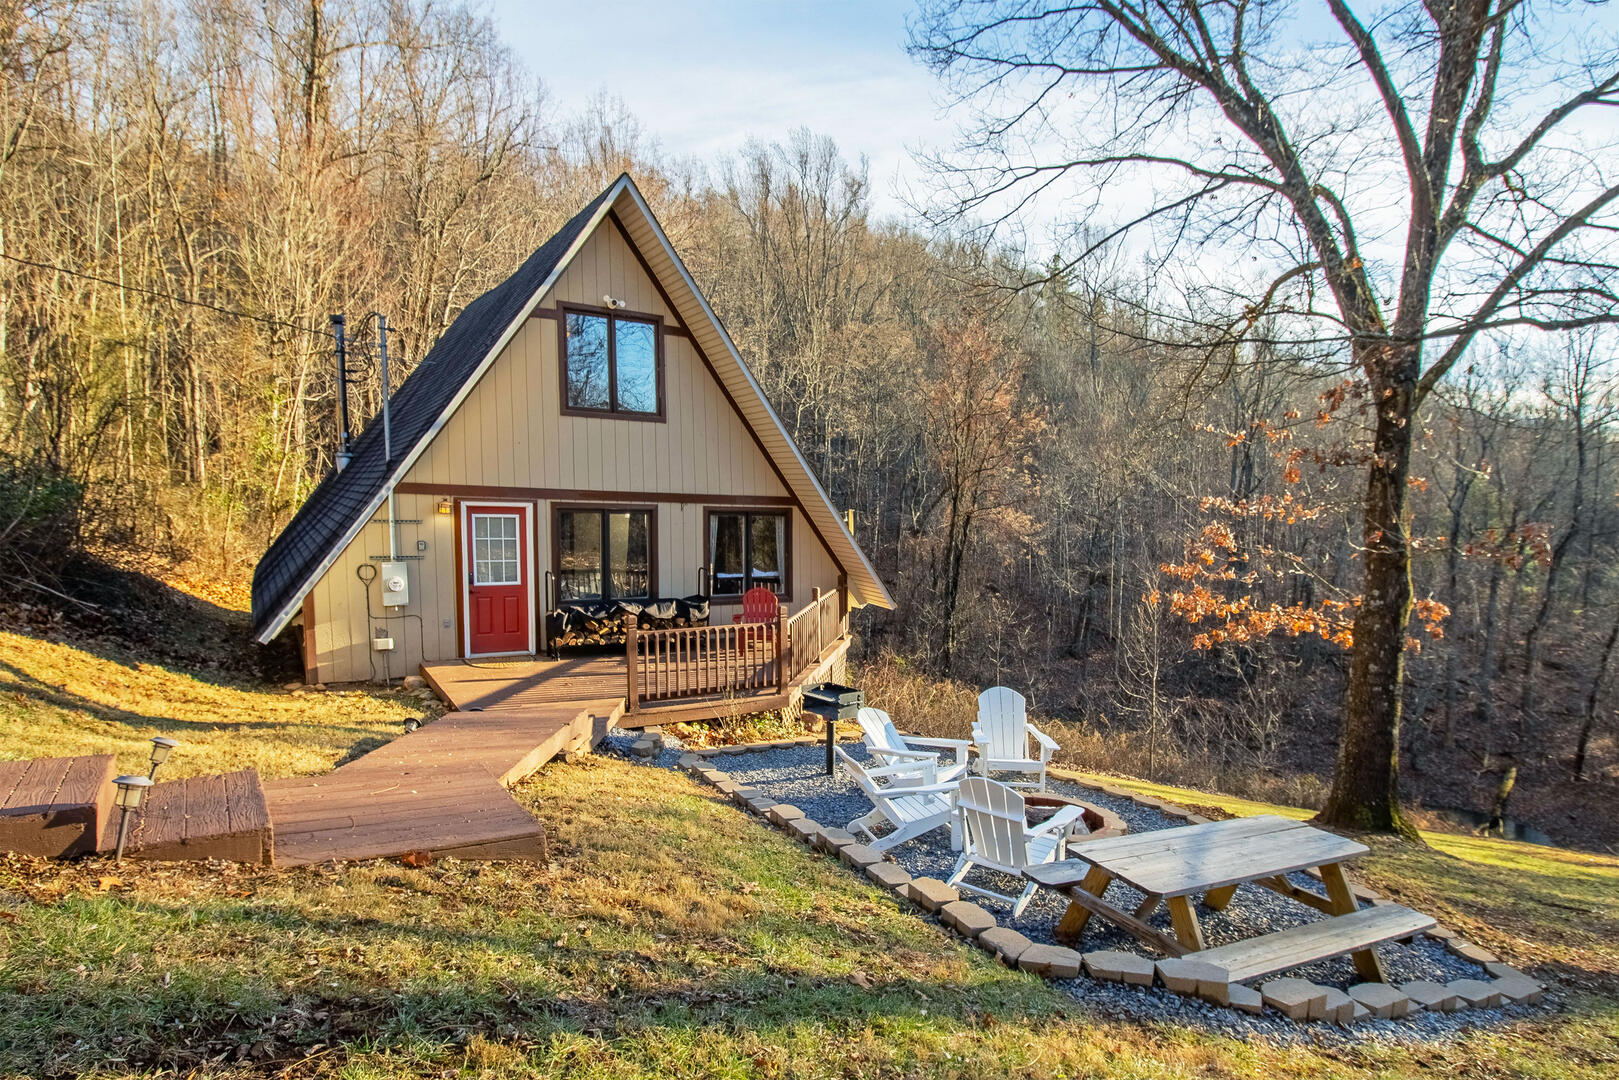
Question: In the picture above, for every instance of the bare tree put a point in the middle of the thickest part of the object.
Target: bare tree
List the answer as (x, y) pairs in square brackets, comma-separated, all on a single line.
[(1579, 393), (1234, 129)]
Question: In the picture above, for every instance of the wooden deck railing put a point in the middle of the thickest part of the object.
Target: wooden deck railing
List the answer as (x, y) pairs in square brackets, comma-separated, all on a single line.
[(702, 661), (712, 661), (812, 630)]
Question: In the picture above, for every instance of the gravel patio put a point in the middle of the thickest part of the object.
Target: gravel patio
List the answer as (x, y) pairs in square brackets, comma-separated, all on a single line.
[(796, 775)]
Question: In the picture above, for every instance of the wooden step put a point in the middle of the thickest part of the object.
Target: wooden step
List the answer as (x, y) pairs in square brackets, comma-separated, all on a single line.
[(55, 807), (200, 817), (1319, 940)]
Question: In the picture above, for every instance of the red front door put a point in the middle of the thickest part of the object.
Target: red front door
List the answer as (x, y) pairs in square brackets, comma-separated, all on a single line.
[(497, 562)]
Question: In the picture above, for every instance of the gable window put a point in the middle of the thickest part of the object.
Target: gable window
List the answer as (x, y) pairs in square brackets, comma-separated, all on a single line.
[(749, 548), (611, 362), (603, 554)]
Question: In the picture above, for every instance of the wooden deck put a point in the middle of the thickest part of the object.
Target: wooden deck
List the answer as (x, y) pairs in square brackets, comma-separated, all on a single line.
[(440, 790), (526, 682), (529, 683), (199, 817), (55, 807)]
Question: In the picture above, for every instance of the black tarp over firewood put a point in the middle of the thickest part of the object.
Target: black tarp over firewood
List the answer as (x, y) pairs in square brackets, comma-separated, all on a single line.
[(602, 623)]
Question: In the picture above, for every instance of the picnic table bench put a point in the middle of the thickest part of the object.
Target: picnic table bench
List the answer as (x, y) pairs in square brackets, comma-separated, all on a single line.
[(1170, 866)]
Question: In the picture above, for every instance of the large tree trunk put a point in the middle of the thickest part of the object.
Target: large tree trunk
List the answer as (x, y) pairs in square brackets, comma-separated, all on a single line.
[(1366, 785)]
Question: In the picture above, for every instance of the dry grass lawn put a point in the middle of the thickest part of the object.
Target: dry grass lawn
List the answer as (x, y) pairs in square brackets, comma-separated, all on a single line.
[(57, 700), (670, 936)]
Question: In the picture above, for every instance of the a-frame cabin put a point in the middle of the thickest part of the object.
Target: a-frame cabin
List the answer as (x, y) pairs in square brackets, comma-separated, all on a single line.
[(583, 444)]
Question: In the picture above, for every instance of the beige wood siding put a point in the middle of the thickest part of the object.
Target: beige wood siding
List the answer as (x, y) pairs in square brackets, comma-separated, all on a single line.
[(510, 433), (510, 430), (343, 630)]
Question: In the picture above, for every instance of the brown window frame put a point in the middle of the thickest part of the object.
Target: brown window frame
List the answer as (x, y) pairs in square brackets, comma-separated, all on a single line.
[(612, 412), (558, 509), (786, 595)]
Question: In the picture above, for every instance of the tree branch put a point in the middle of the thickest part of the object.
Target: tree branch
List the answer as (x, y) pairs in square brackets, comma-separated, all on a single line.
[(1493, 302)]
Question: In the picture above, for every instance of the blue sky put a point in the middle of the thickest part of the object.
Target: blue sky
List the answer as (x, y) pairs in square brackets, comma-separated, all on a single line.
[(704, 77)]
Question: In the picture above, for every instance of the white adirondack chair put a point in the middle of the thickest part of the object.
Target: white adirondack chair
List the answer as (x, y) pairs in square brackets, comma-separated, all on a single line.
[(1002, 733), (996, 835), (912, 808), (887, 745)]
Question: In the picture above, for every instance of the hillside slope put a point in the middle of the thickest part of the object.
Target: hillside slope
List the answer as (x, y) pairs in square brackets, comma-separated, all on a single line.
[(671, 936), (58, 699)]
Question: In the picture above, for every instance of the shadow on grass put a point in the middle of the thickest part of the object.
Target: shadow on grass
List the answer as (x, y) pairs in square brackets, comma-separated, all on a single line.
[(223, 1009), (43, 693), (361, 748), (133, 616)]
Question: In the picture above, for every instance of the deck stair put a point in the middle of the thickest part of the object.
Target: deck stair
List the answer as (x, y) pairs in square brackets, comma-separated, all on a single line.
[(439, 790), (1320, 940), (223, 816), (55, 807)]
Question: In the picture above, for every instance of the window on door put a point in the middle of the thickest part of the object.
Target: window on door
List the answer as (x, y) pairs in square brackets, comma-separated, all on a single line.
[(746, 549), (610, 363), (494, 550), (604, 555)]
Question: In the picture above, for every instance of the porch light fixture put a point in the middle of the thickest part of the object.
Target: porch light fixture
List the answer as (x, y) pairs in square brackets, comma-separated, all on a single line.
[(162, 747), (445, 506), (131, 793)]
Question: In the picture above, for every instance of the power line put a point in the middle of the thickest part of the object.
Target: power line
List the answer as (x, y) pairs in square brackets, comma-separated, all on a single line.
[(265, 319)]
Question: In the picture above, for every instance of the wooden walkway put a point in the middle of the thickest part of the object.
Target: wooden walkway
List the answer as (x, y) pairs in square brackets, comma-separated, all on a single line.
[(199, 817), (55, 807), (440, 790)]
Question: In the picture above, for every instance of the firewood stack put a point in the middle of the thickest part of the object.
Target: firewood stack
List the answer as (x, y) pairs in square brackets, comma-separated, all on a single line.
[(609, 630), (599, 624)]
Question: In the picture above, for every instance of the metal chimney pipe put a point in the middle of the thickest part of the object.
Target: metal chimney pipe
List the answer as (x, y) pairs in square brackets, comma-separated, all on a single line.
[(343, 455), (387, 389), (387, 431)]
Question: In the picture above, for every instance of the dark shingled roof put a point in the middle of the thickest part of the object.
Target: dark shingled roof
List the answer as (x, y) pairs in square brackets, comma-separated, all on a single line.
[(344, 497)]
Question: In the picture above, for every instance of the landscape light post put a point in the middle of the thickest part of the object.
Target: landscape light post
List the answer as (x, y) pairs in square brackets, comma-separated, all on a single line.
[(131, 793), (162, 747)]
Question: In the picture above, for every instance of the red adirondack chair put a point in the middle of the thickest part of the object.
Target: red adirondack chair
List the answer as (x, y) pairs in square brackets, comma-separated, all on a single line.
[(759, 606)]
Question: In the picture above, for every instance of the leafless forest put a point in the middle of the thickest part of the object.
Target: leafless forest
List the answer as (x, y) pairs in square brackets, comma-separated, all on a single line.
[(1044, 474)]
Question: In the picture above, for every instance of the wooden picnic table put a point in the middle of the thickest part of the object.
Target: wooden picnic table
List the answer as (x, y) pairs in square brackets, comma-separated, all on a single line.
[(1170, 866)]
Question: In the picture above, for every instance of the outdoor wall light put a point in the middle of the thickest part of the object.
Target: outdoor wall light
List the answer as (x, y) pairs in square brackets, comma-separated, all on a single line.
[(445, 506), (162, 747), (131, 793)]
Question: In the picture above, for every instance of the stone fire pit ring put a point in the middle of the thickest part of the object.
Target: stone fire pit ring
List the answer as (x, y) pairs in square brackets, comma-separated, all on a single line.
[(1040, 806)]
